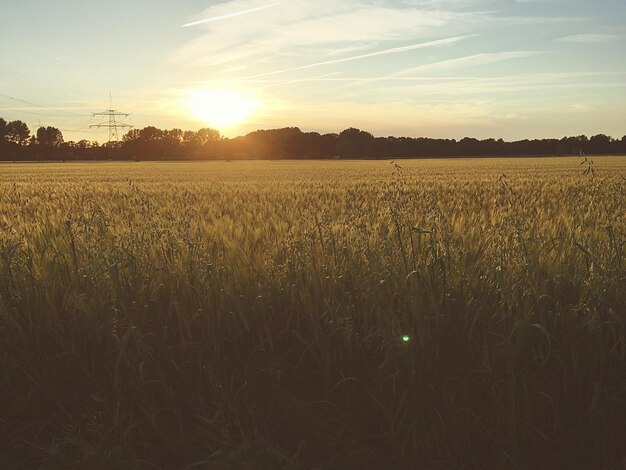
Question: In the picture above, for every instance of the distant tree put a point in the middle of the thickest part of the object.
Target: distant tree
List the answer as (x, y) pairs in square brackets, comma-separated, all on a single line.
[(469, 146), (17, 132), (5, 152), (82, 144), (171, 144), (174, 136), (600, 144), (201, 144), (131, 135), (207, 135), (3, 129), (150, 134), (112, 145), (151, 143), (573, 145), (287, 142), (583, 143), (49, 137), (72, 150), (314, 145), (355, 143)]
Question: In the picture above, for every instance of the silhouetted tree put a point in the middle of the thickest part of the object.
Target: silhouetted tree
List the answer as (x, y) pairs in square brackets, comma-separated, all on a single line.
[(17, 132), (49, 137), (201, 144), (3, 129), (355, 143), (600, 143), (46, 144), (144, 143), (151, 143), (207, 135), (82, 144)]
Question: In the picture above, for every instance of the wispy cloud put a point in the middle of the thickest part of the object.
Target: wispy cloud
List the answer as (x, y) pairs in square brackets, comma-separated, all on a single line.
[(330, 64), (506, 86), (451, 64), (469, 61), (304, 31), (232, 15), (393, 50), (329, 77), (538, 1), (589, 38)]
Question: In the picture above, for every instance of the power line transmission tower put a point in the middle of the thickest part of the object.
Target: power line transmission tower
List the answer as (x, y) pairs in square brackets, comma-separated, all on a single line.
[(112, 123)]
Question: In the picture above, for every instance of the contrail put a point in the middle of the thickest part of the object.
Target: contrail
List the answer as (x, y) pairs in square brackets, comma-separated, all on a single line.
[(394, 50), (232, 15), (475, 59)]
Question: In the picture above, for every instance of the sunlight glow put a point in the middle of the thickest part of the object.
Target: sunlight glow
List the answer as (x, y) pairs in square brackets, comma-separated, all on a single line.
[(220, 108)]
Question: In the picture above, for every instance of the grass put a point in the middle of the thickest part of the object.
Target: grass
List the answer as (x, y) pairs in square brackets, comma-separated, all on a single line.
[(438, 314)]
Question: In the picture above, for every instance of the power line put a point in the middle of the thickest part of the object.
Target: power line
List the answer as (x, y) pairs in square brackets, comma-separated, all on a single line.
[(30, 103), (113, 122), (41, 114)]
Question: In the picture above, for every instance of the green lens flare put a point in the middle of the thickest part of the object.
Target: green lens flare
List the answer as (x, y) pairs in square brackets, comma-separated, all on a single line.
[(406, 338)]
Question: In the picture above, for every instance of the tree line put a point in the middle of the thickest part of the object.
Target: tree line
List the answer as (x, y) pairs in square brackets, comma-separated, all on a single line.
[(150, 143)]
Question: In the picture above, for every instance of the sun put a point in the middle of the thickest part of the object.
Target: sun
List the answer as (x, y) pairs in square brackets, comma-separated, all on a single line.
[(220, 108)]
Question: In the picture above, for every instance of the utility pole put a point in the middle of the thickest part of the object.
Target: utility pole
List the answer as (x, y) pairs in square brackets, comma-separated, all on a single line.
[(113, 123)]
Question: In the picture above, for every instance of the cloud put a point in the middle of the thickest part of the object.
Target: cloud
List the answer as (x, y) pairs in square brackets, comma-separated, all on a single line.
[(300, 31), (506, 87), (232, 15), (589, 38), (383, 64), (452, 64), (393, 50), (469, 61), (538, 1), (535, 20)]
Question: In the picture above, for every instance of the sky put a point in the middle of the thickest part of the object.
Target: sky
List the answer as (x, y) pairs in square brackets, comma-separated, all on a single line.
[(437, 68)]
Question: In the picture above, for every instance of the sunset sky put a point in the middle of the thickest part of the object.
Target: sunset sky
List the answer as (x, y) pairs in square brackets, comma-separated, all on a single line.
[(437, 68)]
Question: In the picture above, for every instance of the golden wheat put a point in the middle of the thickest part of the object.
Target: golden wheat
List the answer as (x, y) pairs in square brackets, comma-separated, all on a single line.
[(338, 314)]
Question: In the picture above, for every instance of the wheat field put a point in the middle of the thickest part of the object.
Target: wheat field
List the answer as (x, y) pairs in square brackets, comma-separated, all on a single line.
[(436, 314)]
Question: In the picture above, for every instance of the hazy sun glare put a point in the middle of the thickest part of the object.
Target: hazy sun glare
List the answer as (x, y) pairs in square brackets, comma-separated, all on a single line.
[(220, 108)]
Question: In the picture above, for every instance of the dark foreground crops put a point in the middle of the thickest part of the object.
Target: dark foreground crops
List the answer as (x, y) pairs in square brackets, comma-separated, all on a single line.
[(247, 316)]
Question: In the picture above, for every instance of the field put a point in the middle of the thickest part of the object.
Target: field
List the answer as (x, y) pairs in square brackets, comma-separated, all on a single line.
[(439, 314)]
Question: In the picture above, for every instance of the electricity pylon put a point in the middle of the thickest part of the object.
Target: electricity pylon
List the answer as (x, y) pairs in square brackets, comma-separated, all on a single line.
[(112, 123)]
